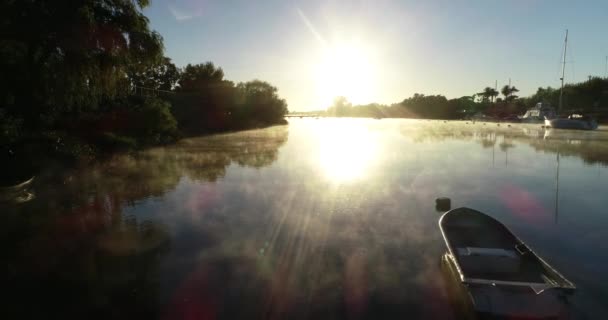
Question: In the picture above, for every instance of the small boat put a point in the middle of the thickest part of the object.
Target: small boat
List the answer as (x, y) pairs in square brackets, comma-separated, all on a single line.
[(18, 186), (574, 121), (495, 274), (18, 192)]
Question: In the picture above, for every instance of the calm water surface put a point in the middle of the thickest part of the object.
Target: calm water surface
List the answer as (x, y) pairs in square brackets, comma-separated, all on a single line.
[(327, 218)]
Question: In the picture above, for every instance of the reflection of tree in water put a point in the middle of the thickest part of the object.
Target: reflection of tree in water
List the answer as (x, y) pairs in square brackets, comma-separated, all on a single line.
[(206, 158), (487, 142), (72, 252), (591, 151), (591, 147), (505, 145), (86, 261)]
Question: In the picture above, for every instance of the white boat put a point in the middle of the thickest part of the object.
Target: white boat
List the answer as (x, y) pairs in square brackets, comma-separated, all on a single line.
[(574, 121), (493, 274), (539, 113)]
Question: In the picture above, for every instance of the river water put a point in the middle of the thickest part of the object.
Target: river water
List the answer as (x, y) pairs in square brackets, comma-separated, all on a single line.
[(322, 218)]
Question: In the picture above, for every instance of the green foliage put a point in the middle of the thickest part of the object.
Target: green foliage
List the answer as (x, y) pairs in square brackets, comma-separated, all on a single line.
[(68, 69), (204, 102), (132, 122), (509, 92), (417, 106), (66, 87), (259, 101), (439, 107), (152, 121), (341, 107), (64, 147), (588, 96), (457, 108), (432, 106), (69, 57), (162, 75), (488, 94), (114, 142), (372, 110), (200, 77)]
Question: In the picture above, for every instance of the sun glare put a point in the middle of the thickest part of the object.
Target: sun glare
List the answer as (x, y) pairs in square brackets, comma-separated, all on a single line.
[(346, 70), (345, 151)]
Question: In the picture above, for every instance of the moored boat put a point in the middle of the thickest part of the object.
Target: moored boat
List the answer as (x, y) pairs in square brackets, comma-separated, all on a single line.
[(539, 113), (497, 275), (17, 192), (574, 121), (17, 186)]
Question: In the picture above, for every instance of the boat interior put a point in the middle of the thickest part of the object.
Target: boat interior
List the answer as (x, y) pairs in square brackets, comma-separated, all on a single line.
[(485, 249), (505, 264)]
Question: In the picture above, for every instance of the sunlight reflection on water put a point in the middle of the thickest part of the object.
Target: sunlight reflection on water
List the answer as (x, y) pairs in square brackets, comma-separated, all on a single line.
[(345, 151)]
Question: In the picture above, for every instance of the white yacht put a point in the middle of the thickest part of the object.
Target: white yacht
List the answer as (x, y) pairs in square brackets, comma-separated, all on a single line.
[(539, 113)]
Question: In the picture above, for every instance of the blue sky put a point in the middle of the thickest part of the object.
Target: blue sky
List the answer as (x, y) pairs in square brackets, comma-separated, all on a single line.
[(385, 51)]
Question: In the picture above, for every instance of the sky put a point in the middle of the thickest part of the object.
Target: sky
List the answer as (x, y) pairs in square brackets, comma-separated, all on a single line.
[(385, 51)]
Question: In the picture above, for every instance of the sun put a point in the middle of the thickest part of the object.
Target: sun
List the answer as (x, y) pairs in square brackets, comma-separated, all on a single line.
[(346, 70)]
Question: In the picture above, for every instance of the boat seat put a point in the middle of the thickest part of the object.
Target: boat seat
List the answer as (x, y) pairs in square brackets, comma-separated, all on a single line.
[(488, 260)]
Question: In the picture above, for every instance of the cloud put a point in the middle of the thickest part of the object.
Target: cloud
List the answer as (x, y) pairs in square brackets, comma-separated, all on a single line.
[(180, 14)]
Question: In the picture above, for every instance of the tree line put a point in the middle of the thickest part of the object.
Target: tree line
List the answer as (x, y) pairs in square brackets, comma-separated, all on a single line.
[(590, 97), (82, 78)]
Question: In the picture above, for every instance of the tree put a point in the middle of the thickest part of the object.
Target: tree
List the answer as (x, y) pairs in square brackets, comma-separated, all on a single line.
[(546, 95), (588, 96), (205, 102), (488, 94), (152, 121), (162, 75), (203, 99), (199, 77), (341, 107), (69, 57), (508, 92), (430, 107), (260, 101), (64, 73)]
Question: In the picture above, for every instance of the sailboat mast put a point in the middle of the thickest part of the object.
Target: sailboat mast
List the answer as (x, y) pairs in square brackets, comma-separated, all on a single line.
[(561, 90), (557, 188)]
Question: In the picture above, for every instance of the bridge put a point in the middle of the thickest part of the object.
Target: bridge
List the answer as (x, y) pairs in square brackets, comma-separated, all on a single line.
[(304, 115)]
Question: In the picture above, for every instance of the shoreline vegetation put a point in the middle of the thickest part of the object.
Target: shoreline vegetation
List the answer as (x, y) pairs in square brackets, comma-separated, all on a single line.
[(589, 97), (83, 80)]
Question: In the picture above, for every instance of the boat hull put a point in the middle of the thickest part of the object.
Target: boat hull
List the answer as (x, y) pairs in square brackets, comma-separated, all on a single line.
[(459, 296), (18, 192), (573, 124)]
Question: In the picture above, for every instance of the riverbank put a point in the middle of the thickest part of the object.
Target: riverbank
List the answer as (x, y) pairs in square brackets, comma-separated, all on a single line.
[(58, 150)]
